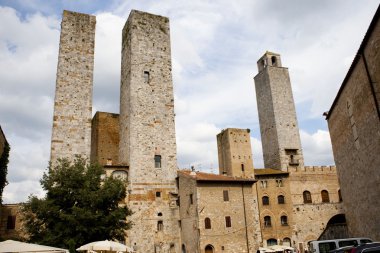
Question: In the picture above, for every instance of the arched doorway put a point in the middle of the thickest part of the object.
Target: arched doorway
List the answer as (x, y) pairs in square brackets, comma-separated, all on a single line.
[(209, 249), (183, 248)]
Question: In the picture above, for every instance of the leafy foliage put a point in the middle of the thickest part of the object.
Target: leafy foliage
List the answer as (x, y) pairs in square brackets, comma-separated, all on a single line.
[(78, 208), (4, 159)]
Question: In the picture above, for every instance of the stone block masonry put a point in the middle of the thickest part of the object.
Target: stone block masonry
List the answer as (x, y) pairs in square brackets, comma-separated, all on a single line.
[(71, 134), (147, 133), (277, 115)]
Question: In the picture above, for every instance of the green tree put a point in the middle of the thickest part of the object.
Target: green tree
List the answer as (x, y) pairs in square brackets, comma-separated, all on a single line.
[(79, 207), (4, 159)]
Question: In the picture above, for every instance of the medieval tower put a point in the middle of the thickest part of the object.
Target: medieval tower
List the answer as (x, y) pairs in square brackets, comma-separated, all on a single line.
[(71, 134), (277, 115), (147, 133), (235, 153)]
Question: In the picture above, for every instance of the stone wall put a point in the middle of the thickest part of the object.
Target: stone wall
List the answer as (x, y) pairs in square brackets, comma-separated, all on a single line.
[(105, 138), (270, 186), (244, 233), (71, 133), (311, 218), (354, 124), (10, 222), (189, 214), (147, 132), (235, 153), (278, 121), (205, 199)]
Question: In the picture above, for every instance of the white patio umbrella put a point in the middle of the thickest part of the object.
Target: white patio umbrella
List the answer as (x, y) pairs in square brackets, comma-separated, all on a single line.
[(16, 246), (105, 246)]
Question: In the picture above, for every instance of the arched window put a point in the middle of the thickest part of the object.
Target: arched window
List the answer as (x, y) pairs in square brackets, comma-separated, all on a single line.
[(273, 60), (325, 196), (271, 242), (207, 223), (265, 200), (287, 242), (281, 199), (267, 221), (284, 220), (306, 197), (242, 167), (209, 249), (159, 214), (340, 196)]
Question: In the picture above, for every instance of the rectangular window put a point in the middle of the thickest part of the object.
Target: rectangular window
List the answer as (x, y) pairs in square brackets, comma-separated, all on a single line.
[(160, 225), (242, 167), (11, 222), (228, 221), (158, 194), (157, 161), (146, 76), (191, 198), (225, 196)]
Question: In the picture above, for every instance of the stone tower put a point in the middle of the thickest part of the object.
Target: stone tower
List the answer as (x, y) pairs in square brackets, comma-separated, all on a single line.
[(277, 115), (71, 133), (235, 153), (147, 133)]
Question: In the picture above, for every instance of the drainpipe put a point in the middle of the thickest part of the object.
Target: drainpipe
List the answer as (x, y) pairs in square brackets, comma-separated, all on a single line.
[(245, 218)]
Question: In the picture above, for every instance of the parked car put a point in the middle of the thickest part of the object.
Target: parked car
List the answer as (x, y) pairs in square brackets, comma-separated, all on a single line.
[(373, 247), (326, 246)]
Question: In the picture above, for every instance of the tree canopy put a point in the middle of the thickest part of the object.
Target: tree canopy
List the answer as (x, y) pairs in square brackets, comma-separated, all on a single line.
[(79, 207)]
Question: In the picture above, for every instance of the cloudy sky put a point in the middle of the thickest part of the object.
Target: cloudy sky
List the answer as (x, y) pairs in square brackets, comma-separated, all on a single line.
[(215, 46)]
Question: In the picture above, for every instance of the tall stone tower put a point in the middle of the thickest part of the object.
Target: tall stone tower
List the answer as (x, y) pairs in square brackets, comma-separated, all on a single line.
[(277, 115), (71, 133), (147, 133), (235, 153)]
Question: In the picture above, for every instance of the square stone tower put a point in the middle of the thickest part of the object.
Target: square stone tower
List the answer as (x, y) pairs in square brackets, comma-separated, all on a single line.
[(147, 133), (235, 153), (71, 133), (277, 115)]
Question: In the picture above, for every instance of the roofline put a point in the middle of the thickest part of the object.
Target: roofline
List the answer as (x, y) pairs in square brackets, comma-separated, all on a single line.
[(356, 59), (237, 181)]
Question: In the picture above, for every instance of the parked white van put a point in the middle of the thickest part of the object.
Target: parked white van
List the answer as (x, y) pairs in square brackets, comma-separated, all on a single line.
[(327, 245)]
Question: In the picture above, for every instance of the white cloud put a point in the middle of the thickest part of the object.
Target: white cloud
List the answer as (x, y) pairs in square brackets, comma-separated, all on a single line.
[(317, 148)]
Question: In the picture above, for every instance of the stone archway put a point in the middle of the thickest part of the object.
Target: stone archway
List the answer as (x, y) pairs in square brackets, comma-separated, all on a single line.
[(336, 228), (209, 249)]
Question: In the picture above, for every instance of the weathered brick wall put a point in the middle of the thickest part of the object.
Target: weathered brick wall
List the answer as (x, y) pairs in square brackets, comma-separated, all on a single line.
[(311, 218), (71, 133), (235, 153), (269, 187), (147, 130), (277, 115), (105, 138), (355, 136)]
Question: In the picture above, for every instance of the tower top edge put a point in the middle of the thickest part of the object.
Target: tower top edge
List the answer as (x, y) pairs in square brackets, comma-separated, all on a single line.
[(73, 13)]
